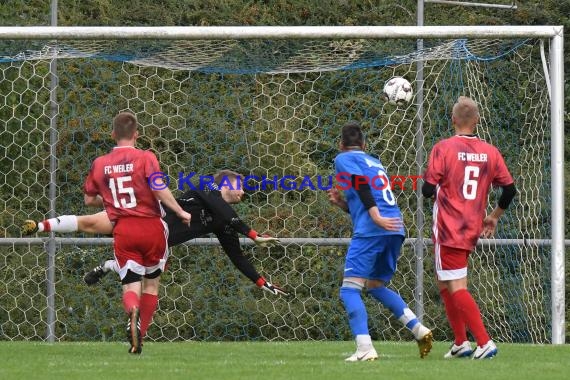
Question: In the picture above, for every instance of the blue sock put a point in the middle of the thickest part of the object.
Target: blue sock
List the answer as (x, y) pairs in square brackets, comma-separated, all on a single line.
[(394, 302), (354, 306)]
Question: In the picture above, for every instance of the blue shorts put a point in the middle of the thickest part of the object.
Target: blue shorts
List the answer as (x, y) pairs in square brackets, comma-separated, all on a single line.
[(373, 257)]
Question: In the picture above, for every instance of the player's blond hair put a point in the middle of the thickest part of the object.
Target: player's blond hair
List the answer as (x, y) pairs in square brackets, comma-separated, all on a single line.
[(125, 125), (465, 112)]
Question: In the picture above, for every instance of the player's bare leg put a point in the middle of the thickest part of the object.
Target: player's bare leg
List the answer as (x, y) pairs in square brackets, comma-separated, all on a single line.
[(63, 223), (97, 223)]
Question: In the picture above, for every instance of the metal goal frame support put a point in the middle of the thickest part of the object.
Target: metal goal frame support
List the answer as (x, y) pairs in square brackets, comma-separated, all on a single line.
[(553, 33)]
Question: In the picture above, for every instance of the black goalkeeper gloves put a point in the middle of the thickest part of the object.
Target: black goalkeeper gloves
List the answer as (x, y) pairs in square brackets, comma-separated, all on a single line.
[(271, 288)]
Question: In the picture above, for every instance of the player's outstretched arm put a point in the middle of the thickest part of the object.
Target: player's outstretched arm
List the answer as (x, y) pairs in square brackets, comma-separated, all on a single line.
[(274, 289), (264, 241), (232, 248), (223, 212)]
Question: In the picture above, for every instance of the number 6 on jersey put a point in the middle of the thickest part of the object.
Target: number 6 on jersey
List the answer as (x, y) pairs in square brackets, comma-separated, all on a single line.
[(470, 182)]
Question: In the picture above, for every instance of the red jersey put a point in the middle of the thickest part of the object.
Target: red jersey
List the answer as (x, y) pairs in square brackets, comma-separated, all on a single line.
[(463, 168), (121, 179)]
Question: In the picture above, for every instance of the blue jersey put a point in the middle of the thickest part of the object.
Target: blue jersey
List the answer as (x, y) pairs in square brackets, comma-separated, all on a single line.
[(356, 162)]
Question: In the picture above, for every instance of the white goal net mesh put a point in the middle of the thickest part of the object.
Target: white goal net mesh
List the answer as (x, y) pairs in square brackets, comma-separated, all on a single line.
[(269, 108)]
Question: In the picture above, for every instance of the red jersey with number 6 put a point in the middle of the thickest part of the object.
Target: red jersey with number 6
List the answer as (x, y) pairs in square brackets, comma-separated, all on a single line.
[(121, 179), (463, 168)]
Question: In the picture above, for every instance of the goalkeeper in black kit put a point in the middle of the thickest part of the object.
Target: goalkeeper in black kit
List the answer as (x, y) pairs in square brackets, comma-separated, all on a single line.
[(211, 213)]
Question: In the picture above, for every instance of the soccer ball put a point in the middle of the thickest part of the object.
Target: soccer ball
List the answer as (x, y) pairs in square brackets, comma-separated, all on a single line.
[(397, 91)]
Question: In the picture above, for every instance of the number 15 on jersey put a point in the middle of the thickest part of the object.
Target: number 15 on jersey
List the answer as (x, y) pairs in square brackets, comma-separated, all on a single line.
[(118, 188)]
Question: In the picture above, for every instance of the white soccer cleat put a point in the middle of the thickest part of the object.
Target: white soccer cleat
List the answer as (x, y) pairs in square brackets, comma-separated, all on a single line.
[(462, 351), (488, 351), (363, 356)]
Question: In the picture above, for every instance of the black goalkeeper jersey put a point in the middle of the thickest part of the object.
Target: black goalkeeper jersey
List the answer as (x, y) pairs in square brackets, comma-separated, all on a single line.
[(210, 214)]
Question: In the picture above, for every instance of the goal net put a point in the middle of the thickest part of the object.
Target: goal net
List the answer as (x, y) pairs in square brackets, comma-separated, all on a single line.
[(269, 108)]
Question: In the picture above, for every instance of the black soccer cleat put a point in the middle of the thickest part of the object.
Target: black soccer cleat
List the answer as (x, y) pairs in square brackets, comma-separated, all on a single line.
[(93, 276), (29, 227), (134, 332)]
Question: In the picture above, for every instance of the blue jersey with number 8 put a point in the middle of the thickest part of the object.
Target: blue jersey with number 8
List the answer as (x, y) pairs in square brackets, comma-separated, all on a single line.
[(370, 170)]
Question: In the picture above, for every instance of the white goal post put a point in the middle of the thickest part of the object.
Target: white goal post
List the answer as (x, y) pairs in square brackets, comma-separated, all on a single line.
[(554, 35)]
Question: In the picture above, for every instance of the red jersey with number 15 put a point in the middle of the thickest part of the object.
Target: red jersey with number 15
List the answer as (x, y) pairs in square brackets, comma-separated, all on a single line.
[(121, 179), (463, 168)]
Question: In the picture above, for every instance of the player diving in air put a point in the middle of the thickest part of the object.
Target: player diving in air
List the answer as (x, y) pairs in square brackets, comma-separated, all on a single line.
[(211, 213)]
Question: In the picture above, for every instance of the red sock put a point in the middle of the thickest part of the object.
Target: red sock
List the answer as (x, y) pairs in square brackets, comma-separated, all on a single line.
[(454, 318), (148, 307), (130, 300), (47, 227), (471, 314)]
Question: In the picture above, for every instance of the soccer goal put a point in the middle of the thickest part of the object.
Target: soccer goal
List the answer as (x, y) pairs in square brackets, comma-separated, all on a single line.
[(269, 102)]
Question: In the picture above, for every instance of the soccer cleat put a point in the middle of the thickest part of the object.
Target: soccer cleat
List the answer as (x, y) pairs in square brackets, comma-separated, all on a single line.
[(363, 356), (425, 343), (488, 351), (462, 351), (93, 276), (134, 332), (29, 227)]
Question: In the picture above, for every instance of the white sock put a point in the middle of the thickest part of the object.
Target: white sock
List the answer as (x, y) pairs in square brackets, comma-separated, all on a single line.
[(363, 342), (419, 331), (111, 265), (63, 223), (407, 317)]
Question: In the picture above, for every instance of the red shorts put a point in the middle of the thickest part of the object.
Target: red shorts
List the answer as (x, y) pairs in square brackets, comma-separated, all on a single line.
[(140, 245), (450, 263)]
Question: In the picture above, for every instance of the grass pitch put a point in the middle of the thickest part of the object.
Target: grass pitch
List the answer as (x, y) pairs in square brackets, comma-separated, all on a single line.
[(269, 361)]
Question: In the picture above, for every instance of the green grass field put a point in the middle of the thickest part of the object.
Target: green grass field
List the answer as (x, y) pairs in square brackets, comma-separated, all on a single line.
[(268, 361)]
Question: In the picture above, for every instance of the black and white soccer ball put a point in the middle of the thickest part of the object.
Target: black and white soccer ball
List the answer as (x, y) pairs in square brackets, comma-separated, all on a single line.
[(398, 91)]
